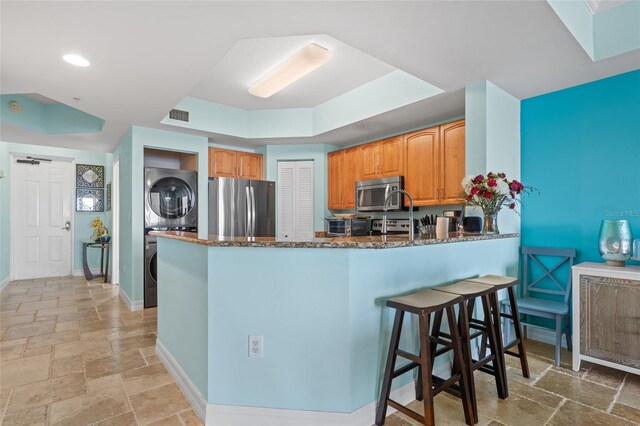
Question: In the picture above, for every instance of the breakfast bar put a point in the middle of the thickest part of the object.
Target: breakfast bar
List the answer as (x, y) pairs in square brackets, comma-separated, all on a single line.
[(318, 308)]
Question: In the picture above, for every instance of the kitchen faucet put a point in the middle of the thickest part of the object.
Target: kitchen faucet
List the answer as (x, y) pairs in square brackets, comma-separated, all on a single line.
[(384, 214)]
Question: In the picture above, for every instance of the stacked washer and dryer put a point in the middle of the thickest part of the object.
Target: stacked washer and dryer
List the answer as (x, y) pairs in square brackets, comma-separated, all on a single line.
[(170, 204)]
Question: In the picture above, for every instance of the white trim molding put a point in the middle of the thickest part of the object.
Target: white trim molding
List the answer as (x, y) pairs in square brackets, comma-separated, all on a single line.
[(5, 283), (133, 305), (215, 414)]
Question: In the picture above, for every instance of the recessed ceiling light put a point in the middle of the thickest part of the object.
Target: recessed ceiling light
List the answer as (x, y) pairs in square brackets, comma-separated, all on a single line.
[(297, 66), (76, 60)]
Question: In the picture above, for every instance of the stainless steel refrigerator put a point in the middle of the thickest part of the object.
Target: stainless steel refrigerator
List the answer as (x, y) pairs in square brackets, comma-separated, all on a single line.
[(242, 207)]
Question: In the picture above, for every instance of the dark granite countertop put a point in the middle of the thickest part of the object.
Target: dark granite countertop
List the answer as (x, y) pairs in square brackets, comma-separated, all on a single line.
[(368, 242)]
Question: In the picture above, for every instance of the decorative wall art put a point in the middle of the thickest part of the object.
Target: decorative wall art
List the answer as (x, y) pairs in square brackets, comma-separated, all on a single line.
[(109, 197), (89, 200), (89, 176)]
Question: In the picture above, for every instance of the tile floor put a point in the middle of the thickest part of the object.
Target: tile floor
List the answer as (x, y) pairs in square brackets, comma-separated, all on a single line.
[(554, 396), (72, 354)]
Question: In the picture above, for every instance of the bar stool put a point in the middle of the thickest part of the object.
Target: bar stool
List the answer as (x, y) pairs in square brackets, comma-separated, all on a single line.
[(485, 328), (423, 303), (499, 282)]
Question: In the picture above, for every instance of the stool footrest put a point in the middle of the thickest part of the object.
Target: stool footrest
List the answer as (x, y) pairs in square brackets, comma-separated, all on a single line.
[(441, 384), (516, 354), (405, 368), (409, 356), (415, 416), (489, 369)]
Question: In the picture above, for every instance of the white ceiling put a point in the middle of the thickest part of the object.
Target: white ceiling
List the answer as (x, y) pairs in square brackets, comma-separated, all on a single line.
[(146, 56)]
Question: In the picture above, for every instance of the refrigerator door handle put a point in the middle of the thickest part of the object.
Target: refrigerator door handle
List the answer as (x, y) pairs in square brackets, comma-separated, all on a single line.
[(253, 213), (248, 230)]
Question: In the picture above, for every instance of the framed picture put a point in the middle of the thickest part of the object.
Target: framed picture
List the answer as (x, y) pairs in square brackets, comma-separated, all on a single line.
[(88, 176), (109, 197), (89, 200)]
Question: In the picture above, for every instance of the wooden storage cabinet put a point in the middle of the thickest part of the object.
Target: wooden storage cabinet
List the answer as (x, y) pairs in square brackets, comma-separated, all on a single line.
[(235, 164), (383, 158), (435, 164), (344, 170), (606, 316)]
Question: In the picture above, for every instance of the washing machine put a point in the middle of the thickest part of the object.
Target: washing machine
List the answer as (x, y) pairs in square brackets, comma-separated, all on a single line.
[(150, 271), (170, 198)]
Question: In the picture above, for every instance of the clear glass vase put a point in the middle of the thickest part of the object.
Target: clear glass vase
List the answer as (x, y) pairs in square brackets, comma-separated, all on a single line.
[(615, 241), (490, 222)]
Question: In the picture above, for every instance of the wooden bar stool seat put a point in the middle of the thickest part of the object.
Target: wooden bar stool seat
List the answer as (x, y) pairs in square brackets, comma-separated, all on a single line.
[(472, 328), (423, 303), (500, 282)]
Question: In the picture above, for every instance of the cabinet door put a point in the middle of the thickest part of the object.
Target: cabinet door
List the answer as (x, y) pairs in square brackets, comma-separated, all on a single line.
[(392, 157), (422, 170), (452, 160), (222, 163), (249, 165), (335, 162), (350, 174), (370, 154)]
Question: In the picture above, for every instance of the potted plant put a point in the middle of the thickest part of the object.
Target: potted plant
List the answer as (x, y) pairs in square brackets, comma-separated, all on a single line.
[(100, 232)]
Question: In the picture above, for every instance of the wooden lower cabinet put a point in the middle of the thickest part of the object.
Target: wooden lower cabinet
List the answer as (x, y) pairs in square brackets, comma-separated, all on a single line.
[(606, 316), (235, 164)]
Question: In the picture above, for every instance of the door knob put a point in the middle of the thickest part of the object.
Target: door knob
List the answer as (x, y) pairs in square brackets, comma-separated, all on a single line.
[(67, 225)]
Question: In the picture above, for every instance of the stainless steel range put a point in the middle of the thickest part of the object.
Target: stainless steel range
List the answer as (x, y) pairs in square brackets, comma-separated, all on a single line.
[(394, 226)]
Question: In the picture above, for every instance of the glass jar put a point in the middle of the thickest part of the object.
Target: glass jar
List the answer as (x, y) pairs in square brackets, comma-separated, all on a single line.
[(615, 241)]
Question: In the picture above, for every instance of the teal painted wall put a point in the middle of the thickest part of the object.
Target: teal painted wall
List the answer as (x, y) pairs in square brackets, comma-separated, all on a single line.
[(325, 333), (48, 118), (492, 132), (82, 220), (318, 154), (581, 149), (131, 151)]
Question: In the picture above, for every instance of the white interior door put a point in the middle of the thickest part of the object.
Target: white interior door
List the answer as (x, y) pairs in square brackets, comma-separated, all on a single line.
[(295, 200), (41, 219)]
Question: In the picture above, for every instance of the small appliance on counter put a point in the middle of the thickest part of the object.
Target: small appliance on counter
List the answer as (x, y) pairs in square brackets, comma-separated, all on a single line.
[(346, 227), (456, 217), (472, 224), (394, 226), (371, 194)]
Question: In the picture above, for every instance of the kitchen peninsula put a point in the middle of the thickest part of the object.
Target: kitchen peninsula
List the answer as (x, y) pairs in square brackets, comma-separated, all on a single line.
[(319, 307)]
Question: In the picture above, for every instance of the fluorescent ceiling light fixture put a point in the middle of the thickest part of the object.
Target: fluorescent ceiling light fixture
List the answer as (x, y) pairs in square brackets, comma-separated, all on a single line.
[(297, 66), (76, 60)]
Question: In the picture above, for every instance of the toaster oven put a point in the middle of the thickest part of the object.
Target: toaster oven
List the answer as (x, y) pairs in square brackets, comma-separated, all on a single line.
[(346, 227)]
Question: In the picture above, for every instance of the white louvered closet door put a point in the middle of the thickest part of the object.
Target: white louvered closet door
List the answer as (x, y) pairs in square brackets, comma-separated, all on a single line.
[(295, 200)]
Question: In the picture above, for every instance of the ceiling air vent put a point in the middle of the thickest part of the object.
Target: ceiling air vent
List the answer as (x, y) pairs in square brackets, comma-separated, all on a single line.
[(176, 114)]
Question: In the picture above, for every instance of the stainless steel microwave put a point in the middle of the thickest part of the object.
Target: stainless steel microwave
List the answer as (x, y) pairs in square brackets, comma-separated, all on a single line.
[(370, 194)]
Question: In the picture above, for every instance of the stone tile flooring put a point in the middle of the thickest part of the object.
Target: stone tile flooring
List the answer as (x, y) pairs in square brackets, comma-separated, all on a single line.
[(72, 354), (554, 396)]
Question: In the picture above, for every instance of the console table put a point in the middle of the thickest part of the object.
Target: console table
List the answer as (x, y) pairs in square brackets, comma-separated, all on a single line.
[(606, 316), (104, 260)]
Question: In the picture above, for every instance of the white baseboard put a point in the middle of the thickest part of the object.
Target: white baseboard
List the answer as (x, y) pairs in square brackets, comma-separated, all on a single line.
[(545, 336), (5, 283), (133, 305), (214, 414)]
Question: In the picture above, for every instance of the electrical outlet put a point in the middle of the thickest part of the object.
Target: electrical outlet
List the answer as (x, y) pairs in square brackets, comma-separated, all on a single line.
[(255, 346)]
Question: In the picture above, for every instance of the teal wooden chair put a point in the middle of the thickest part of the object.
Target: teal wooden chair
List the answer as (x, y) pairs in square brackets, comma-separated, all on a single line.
[(546, 280)]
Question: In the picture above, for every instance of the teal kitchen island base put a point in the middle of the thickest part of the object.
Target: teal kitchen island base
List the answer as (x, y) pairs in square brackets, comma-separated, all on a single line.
[(320, 309)]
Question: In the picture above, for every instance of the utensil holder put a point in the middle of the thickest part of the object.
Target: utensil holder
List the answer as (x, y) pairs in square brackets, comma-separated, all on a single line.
[(427, 230)]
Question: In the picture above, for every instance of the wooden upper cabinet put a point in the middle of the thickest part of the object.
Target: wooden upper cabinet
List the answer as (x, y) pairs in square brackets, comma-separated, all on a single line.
[(370, 154), (335, 162), (421, 178), (391, 157), (344, 168), (352, 165), (383, 158), (249, 165), (235, 164), (452, 161)]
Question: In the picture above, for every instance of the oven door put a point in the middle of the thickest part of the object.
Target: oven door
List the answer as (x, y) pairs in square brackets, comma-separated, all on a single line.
[(371, 198)]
